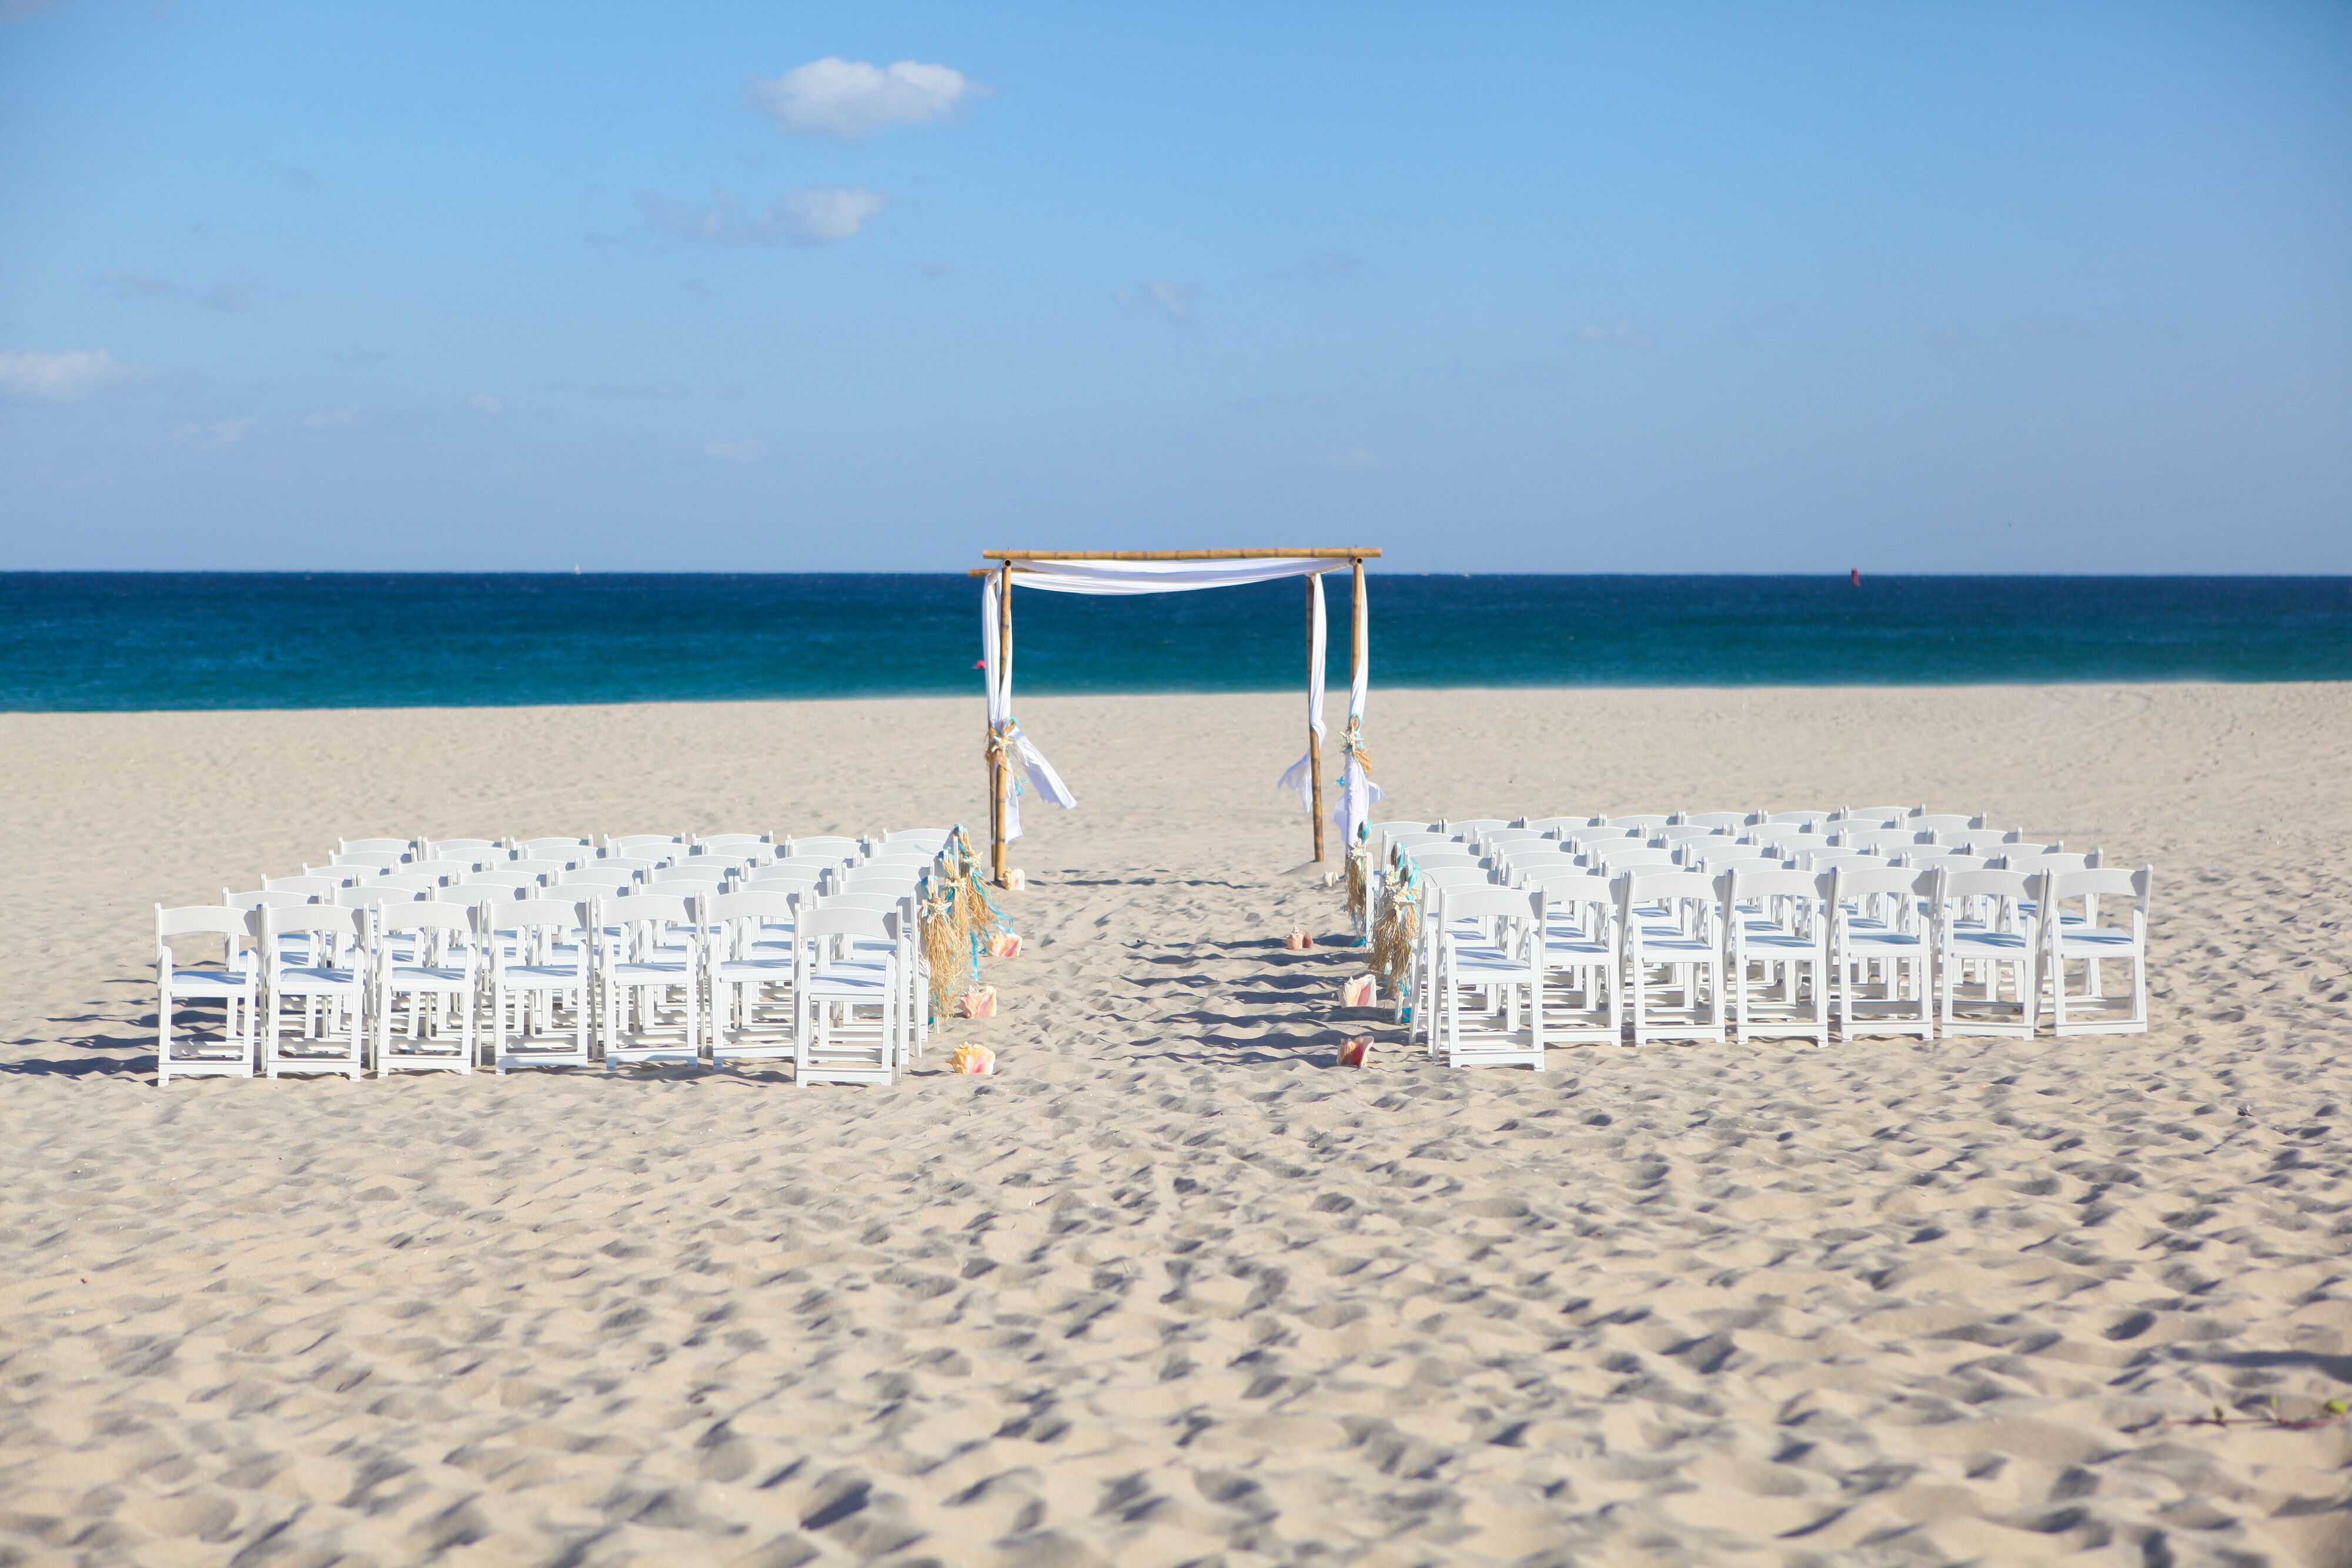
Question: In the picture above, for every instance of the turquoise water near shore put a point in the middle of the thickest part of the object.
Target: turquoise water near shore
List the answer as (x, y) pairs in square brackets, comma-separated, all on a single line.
[(133, 641)]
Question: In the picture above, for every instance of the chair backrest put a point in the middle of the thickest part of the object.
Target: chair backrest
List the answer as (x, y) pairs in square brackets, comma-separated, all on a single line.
[(1683, 833), (203, 920), (536, 867), (281, 899), (1791, 819), (1613, 860), (1936, 860), (1446, 878), (1875, 841), (1716, 862), (1591, 836), (597, 877), (833, 919), (1942, 822), (2097, 882), (753, 903), (869, 878), (655, 846), (315, 886), (558, 915), (1412, 838), (1495, 903), (1781, 833), (483, 848), (1435, 858), (427, 916), (396, 846), (492, 897), (1556, 826), (1745, 882), (734, 842), (901, 904), (1850, 882), (640, 907), (327, 919), (1494, 838), (1644, 825), (1469, 827), (1830, 860), (458, 862), (1570, 888), (1980, 883), (1643, 887), (1732, 821), (1873, 816), (794, 876), (375, 893), (698, 869), (832, 844), (382, 859), (344, 875), (565, 849), (2047, 861), (505, 882)]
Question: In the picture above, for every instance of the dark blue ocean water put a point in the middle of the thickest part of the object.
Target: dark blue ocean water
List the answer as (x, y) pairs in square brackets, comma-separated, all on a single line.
[(138, 641)]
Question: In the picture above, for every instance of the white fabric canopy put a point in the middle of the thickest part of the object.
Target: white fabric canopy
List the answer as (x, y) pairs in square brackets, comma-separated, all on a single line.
[(1159, 576), (1356, 790)]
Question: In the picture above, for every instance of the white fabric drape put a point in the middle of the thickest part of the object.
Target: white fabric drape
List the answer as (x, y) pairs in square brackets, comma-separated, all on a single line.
[(1299, 780), (999, 717), (1357, 791), (1159, 576)]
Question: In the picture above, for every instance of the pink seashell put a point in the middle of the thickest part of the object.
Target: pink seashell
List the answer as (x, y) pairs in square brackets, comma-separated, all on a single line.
[(1356, 993), (979, 1002), (1357, 1053), (971, 1059), (1297, 941)]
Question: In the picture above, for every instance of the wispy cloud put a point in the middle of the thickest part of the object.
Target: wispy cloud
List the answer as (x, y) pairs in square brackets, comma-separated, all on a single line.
[(234, 295), (733, 451), (1762, 321), (64, 376), (1930, 332), (331, 419), (1173, 300), (1624, 334), (849, 99), (2036, 327), (483, 402), (1334, 264), (820, 217), (1354, 458), (214, 433), (18, 10)]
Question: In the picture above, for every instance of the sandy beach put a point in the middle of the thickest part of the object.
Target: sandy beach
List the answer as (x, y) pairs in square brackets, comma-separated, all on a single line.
[(1173, 1288)]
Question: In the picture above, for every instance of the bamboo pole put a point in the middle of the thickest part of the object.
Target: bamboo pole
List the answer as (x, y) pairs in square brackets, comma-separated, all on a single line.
[(1004, 763), (1356, 665), (1314, 741)]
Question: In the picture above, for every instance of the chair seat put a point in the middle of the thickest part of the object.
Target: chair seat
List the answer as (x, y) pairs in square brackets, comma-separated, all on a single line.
[(837, 984), (1985, 943), (1666, 950), (306, 981), (427, 977), (1892, 940), (209, 983), (1576, 947), (2093, 941), (1775, 938), (755, 969), (651, 974), (541, 978)]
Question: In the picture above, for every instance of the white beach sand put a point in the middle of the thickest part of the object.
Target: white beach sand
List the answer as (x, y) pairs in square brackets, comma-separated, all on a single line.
[(1174, 1288)]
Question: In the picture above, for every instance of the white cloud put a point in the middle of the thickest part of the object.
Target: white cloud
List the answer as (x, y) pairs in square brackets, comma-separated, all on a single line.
[(1355, 457), (18, 10), (483, 402), (1173, 300), (1624, 334), (834, 97), (823, 217), (62, 377), (214, 431), (733, 451), (1929, 333), (820, 217)]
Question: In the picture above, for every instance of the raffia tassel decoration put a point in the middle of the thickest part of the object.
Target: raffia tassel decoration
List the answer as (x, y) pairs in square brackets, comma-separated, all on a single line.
[(1357, 871), (945, 946), (1395, 931)]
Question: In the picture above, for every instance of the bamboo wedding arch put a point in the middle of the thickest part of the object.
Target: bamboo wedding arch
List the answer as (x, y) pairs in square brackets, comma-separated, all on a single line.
[(1168, 572)]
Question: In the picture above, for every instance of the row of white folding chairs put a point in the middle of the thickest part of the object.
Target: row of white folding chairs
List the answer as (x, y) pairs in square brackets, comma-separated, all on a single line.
[(1671, 953), (643, 978), (893, 868)]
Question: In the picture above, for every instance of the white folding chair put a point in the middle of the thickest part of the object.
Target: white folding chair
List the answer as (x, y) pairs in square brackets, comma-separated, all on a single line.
[(659, 848), (1860, 817), (1776, 926), (2075, 930), (567, 850), (541, 980), (429, 960), (232, 986), (648, 972), (1584, 994), (1721, 822), (849, 1028), (1668, 921), (1644, 823), (395, 846), (1980, 940), (325, 977), (748, 972), (1490, 964), (1882, 951), (912, 969)]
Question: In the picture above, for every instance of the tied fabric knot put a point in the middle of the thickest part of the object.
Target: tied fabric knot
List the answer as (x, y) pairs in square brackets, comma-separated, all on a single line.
[(1351, 747)]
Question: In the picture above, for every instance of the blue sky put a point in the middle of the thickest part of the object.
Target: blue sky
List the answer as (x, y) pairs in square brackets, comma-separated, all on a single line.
[(1545, 288)]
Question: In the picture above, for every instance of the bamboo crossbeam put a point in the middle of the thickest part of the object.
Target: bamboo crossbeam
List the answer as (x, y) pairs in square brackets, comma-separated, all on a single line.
[(1355, 552)]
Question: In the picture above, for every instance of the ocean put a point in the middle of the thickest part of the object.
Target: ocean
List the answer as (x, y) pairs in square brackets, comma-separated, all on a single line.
[(136, 640)]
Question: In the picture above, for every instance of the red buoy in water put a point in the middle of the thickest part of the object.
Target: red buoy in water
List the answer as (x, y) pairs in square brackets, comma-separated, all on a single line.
[(1857, 577)]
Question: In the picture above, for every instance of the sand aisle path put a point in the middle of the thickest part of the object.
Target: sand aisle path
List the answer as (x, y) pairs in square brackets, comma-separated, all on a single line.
[(1174, 1288)]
